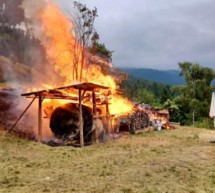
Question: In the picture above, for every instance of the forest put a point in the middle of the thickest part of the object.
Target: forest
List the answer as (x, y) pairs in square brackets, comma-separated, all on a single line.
[(188, 104)]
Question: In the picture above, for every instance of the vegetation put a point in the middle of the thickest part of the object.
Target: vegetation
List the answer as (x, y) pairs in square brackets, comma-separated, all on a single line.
[(19, 49), (132, 164), (84, 32), (187, 104), (195, 97), (87, 39), (6, 8), (145, 91)]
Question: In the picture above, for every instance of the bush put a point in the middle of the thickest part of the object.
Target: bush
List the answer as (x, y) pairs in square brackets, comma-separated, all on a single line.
[(205, 123)]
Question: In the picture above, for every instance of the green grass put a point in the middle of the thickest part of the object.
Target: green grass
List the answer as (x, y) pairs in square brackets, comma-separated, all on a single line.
[(179, 161)]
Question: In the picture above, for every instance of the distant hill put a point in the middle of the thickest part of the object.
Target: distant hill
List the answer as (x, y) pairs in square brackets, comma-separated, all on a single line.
[(164, 76)]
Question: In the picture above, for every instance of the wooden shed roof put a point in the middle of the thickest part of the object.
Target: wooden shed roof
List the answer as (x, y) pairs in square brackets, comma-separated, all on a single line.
[(57, 92)]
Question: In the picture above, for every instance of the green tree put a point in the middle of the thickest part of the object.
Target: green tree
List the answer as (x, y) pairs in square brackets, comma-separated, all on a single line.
[(173, 109), (100, 50), (165, 94), (145, 96), (195, 95)]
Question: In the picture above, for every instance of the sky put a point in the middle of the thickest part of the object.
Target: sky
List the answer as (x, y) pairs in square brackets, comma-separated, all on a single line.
[(155, 34)]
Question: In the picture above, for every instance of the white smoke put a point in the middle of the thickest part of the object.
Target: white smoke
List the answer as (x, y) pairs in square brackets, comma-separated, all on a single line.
[(31, 9), (15, 75)]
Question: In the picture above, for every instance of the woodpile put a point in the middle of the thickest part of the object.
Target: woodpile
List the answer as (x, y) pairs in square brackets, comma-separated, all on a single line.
[(138, 120)]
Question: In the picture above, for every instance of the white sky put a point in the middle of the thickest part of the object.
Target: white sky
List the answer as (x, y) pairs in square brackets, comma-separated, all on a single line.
[(155, 34)]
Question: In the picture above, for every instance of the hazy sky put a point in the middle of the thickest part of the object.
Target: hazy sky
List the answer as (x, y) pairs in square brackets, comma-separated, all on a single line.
[(155, 34)]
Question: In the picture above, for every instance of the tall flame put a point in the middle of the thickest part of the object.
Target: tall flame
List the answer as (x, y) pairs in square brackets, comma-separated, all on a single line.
[(60, 46)]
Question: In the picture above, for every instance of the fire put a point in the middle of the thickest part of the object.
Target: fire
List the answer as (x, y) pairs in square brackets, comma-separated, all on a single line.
[(120, 105), (62, 49), (59, 41)]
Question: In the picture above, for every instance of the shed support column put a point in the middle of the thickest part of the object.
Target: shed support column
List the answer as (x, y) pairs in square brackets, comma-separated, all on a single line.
[(81, 120), (108, 117), (40, 119), (94, 114)]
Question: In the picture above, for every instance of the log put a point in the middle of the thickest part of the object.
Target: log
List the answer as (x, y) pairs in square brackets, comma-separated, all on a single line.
[(64, 122)]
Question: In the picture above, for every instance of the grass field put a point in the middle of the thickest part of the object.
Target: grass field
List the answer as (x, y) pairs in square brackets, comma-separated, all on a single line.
[(177, 161)]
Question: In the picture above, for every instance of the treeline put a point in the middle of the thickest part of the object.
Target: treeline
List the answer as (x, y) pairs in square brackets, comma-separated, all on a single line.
[(20, 46), (145, 91), (19, 49), (188, 104), (16, 40)]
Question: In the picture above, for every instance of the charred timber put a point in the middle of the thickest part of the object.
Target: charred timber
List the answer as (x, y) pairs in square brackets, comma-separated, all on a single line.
[(64, 122)]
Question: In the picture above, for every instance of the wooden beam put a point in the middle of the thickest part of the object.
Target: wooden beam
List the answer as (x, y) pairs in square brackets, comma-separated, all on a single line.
[(21, 115), (40, 119), (81, 120)]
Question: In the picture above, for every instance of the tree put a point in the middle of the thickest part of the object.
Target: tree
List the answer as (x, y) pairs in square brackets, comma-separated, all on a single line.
[(17, 44), (11, 13), (197, 91), (165, 94), (85, 34), (145, 96), (101, 51), (173, 109)]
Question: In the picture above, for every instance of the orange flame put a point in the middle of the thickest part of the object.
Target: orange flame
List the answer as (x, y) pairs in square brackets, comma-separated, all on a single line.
[(60, 46)]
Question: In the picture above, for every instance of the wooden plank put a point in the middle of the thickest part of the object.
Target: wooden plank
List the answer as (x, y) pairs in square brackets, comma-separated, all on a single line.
[(40, 119), (81, 120)]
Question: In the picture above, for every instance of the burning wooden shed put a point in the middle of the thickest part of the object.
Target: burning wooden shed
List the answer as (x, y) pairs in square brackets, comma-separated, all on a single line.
[(78, 116)]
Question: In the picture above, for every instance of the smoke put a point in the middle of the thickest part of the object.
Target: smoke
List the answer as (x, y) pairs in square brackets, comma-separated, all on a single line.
[(43, 71), (31, 9), (63, 65), (30, 73)]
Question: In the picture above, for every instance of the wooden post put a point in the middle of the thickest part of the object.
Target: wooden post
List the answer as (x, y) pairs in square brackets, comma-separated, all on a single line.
[(40, 119), (94, 102), (94, 114), (81, 120), (108, 116)]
